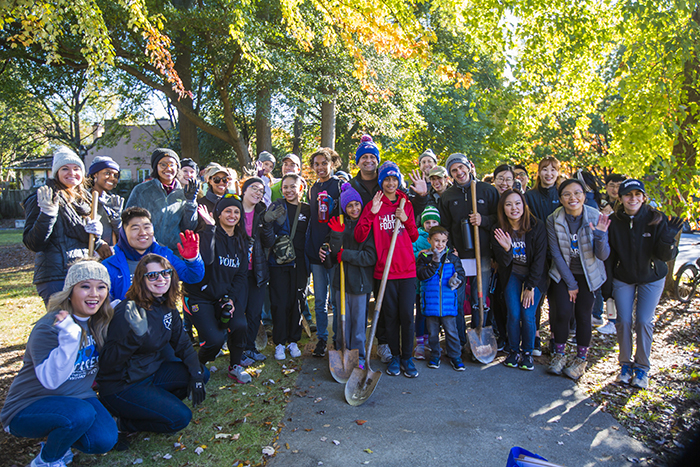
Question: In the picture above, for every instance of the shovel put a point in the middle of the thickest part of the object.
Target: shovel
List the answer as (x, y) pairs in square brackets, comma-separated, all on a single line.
[(93, 215), (342, 361), (261, 338), (482, 340), (362, 382)]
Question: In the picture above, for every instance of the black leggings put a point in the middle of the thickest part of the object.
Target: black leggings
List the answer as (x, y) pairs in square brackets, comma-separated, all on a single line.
[(285, 305), (253, 310), (581, 310), (211, 336), (397, 308)]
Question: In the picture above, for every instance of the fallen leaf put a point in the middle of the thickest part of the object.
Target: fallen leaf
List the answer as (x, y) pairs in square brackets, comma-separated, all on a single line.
[(323, 438), (336, 442), (199, 450), (360, 422), (286, 445), (268, 451), (368, 451), (137, 461), (168, 456)]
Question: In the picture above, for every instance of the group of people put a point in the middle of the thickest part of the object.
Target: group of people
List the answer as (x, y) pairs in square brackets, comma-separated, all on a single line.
[(113, 345)]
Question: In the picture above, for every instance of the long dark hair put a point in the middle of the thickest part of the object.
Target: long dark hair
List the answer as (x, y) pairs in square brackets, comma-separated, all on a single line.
[(525, 220), (138, 291)]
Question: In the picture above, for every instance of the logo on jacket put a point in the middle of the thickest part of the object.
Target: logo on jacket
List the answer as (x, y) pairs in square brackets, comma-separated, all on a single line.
[(168, 320), (86, 361), (387, 222), (481, 201), (195, 309), (230, 262)]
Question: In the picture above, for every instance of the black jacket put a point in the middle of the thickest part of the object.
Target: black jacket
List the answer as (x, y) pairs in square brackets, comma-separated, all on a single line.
[(57, 241), (262, 239), (126, 358), (639, 251), (225, 268), (456, 204), (542, 202), (358, 259), (535, 251)]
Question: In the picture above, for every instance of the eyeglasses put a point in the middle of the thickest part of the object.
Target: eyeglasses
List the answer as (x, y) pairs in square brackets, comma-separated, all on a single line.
[(153, 275), (167, 165), (257, 190), (504, 180), (218, 180), (575, 194)]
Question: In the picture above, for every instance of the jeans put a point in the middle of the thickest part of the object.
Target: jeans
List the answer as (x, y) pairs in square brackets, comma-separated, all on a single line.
[(648, 296), (598, 305), (266, 314), (154, 404), (521, 321), (449, 324), (355, 321), (66, 422), (323, 278)]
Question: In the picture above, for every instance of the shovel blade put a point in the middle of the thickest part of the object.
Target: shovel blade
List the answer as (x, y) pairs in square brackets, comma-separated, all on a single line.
[(483, 344), (361, 385), (261, 339), (342, 363)]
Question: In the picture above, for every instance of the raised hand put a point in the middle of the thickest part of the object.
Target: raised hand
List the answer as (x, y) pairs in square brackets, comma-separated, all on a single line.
[(419, 184), (603, 223), (205, 215), (335, 225), (137, 319), (503, 239), (454, 281), (191, 190), (46, 202), (94, 227), (377, 202), (675, 224), (275, 214), (189, 245)]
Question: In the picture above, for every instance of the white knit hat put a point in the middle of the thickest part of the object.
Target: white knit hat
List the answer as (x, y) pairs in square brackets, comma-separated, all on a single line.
[(64, 156), (83, 270)]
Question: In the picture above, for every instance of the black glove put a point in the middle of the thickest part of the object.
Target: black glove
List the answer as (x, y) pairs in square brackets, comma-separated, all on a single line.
[(196, 390), (675, 224), (191, 190)]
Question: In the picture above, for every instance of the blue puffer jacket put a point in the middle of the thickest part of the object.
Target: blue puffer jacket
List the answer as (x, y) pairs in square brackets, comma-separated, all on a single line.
[(437, 299)]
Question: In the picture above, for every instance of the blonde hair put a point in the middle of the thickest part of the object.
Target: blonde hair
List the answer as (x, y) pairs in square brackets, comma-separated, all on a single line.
[(98, 323)]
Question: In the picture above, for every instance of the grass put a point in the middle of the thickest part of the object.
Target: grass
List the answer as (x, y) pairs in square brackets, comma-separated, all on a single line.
[(10, 237)]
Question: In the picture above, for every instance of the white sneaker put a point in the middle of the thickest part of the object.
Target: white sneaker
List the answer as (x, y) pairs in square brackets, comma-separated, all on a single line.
[(238, 373), (279, 352), (384, 353), (597, 321), (294, 350), (609, 328)]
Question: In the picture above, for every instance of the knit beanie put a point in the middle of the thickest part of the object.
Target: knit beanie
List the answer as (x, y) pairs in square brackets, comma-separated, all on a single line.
[(187, 162), (428, 153), (347, 194), (366, 146), (430, 213), (455, 159), (64, 156), (160, 153), (83, 270), (389, 169), (266, 156), (249, 182), (224, 202), (102, 162)]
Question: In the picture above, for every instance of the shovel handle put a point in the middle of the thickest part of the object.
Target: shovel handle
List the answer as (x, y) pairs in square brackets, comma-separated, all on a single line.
[(93, 215), (342, 297), (385, 277), (477, 248)]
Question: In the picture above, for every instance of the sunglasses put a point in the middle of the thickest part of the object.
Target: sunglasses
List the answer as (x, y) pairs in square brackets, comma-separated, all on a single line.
[(218, 180), (153, 275)]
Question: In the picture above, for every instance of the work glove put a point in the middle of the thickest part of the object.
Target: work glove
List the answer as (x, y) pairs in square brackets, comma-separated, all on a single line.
[(191, 190), (94, 227), (113, 205), (454, 281), (675, 224), (196, 390), (46, 202), (436, 256), (275, 214), (189, 245), (136, 317), (335, 225)]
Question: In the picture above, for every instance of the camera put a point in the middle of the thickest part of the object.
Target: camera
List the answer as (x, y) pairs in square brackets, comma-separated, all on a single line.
[(224, 309)]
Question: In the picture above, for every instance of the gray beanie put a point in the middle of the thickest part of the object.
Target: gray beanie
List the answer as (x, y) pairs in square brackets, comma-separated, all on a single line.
[(64, 156), (83, 270), (266, 156), (428, 153), (455, 159)]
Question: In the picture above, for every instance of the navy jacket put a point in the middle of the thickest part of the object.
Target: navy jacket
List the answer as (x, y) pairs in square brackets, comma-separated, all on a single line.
[(535, 252)]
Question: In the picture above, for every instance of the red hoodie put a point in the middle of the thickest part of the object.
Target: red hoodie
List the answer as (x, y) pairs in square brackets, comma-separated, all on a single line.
[(403, 265)]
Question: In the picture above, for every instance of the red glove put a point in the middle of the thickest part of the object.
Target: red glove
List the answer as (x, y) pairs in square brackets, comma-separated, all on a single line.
[(340, 256), (335, 225), (189, 245)]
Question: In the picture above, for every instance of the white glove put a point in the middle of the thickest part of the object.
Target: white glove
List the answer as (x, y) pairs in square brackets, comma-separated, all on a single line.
[(46, 202), (113, 205), (454, 281), (136, 317), (94, 227)]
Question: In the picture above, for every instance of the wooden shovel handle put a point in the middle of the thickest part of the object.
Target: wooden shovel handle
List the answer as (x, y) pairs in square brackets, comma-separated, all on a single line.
[(93, 215), (477, 248)]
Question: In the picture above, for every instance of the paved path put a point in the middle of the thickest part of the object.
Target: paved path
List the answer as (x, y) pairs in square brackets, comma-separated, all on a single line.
[(449, 418)]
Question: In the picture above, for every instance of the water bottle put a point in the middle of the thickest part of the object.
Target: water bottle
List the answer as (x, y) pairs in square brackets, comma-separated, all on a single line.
[(324, 207), (467, 234)]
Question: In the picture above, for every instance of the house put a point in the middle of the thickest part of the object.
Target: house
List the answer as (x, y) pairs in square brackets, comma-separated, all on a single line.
[(33, 173)]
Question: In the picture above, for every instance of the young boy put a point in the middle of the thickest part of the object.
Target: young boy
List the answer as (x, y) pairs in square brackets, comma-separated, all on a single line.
[(379, 218), (358, 262), (428, 219), (441, 273)]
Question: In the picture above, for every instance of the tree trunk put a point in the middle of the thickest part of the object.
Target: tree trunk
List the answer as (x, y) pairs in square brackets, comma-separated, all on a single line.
[(298, 131), (263, 129), (189, 143), (328, 120)]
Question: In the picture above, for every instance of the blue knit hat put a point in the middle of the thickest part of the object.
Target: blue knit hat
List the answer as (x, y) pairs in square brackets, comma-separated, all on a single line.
[(348, 194), (366, 146), (389, 169), (101, 163)]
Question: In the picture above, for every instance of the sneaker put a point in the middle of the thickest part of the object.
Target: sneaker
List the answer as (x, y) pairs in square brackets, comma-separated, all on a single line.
[(123, 441), (576, 369), (434, 362), (419, 352), (512, 360), (238, 374), (500, 344), (320, 350), (557, 364), (526, 362), (457, 364), (625, 375), (246, 361), (384, 353), (67, 457), (39, 462), (279, 352), (609, 328), (409, 368), (257, 356), (294, 350), (394, 368), (537, 351), (597, 321), (640, 380)]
